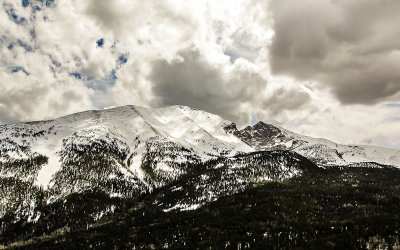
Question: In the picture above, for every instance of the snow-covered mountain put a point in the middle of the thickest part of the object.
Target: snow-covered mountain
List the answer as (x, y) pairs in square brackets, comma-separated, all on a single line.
[(129, 132), (137, 135), (323, 152), (130, 150), (124, 151), (86, 165)]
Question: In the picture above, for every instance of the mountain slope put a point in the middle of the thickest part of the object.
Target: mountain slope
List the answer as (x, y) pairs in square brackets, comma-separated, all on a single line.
[(352, 208)]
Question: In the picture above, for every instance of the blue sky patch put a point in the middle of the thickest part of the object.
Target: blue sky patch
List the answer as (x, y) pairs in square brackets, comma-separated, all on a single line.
[(102, 84), (123, 59), (308, 87), (16, 69), (232, 55), (55, 62), (50, 3), (393, 105), (25, 3), (27, 47), (33, 33), (254, 119), (100, 42), (76, 75), (13, 16)]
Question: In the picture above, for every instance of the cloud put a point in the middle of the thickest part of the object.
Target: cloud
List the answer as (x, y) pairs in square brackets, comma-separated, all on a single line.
[(50, 62), (24, 97), (348, 46), (282, 100), (295, 64), (194, 82), (118, 16)]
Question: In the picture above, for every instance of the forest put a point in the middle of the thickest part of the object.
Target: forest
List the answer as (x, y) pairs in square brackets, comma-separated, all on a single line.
[(350, 208)]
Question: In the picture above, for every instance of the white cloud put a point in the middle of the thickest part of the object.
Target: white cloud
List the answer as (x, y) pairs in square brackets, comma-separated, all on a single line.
[(219, 52)]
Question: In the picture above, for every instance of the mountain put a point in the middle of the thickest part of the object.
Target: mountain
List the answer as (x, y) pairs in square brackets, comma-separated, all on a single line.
[(76, 171), (136, 142), (323, 152)]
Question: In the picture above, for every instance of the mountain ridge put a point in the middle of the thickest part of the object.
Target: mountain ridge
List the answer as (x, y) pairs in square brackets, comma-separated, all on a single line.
[(149, 148), (269, 136), (73, 171), (263, 136)]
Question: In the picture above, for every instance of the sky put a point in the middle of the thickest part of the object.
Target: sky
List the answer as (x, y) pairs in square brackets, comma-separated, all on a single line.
[(321, 68)]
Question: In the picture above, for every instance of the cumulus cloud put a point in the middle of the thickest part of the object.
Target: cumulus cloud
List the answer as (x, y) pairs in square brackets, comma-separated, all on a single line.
[(50, 64), (347, 45), (295, 64)]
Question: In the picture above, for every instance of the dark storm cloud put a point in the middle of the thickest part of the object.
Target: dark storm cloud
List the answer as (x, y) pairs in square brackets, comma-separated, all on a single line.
[(195, 83), (351, 46), (286, 99)]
